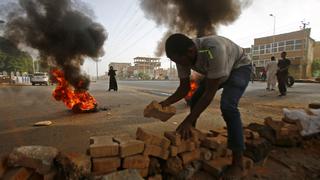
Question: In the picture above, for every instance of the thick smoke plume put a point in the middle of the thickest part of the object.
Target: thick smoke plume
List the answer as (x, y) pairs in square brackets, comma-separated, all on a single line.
[(192, 17), (62, 34)]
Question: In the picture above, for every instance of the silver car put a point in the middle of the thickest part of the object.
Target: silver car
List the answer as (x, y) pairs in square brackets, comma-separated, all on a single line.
[(40, 78)]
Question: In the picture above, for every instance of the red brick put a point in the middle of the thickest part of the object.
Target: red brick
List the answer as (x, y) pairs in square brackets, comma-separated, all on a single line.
[(215, 167), (136, 162), (129, 146), (275, 125), (152, 139), (186, 146), (248, 134), (215, 142), (103, 146), (143, 172), (105, 165), (247, 163), (156, 151), (173, 151), (173, 166), (155, 110), (18, 174), (174, 137), (188, 157)]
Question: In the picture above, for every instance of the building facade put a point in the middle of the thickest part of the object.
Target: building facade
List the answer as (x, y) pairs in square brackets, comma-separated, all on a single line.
[(298, 45), (122, 69), (146, 65)]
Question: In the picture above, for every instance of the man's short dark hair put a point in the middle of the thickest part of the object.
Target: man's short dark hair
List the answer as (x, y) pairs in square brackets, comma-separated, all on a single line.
[(177, 44)]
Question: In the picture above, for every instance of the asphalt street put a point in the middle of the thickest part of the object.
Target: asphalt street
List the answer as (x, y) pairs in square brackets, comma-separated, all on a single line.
[(22, 106)]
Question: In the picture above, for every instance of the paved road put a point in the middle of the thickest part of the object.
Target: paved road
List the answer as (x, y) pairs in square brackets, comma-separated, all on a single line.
[(21, 106)]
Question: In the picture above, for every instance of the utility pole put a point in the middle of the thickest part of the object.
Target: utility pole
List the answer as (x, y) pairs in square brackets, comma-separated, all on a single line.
[(97, 68), (274, 32)]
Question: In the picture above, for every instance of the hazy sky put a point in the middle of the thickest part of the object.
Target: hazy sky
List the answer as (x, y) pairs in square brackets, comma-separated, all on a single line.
[(131, 34)]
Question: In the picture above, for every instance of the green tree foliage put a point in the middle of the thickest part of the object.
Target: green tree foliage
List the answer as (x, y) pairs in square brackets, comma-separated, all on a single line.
[(12, 59), (316, 68)]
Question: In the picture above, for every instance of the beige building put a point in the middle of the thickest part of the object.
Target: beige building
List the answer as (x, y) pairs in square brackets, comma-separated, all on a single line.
[(298, 45), (122, 69), (146, 65)]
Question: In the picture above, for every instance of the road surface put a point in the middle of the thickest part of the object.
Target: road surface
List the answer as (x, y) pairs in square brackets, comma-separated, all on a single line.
[(22, 106)]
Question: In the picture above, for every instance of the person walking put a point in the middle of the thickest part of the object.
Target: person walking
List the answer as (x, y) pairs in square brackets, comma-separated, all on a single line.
[(112, 81), (282, 73), (271, 69)]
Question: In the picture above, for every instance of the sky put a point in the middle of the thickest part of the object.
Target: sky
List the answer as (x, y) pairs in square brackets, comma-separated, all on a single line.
[(131, 34)]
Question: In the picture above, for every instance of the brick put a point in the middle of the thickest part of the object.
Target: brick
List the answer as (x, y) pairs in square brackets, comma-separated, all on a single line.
[(3, 165), (225, 153), (156, 151), (136, 162), (103, 146), (186, 146), (215, 167), (73, 165), (51, 175), (215, 142), (156, 177), (174, 137), (152, 139), (248, 134), (206, 154), (105, 165), (39, 158), (129, 146), (18, 174), (188, 157), (275, 125), (173, 151), (155, 110), (154, 166), (314, 105), (258, 149), (143, 172), (173, 166)]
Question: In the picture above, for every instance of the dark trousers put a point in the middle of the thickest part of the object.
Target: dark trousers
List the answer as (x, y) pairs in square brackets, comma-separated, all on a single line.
[(233, 89), (282, 82)]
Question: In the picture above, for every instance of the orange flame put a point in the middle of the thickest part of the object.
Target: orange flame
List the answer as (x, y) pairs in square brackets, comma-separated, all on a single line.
[(193, 87), (71, 98)]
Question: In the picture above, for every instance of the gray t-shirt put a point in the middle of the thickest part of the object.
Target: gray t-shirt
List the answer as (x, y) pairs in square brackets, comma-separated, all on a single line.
[(217, 57)]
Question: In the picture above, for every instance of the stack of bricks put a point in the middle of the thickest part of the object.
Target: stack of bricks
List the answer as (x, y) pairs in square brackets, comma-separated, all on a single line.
[(286, 134)]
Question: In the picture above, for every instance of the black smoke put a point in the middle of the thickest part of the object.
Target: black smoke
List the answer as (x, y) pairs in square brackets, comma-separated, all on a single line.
[(192, 17), (63, 35)]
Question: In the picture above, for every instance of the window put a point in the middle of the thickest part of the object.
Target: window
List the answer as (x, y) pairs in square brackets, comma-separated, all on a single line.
[(289, 47), (255, 48), (255, 57), (268, 51), (275, 49), (261, 47), (275, 44), (291, 42), (261, 51), (281, 43), (280, 49), (298, 44)]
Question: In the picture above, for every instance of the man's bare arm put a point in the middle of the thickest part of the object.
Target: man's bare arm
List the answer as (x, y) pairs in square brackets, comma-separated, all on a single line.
[(180, 93)]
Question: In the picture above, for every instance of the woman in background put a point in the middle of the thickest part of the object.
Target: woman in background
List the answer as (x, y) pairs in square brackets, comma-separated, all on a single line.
[(112, 81)]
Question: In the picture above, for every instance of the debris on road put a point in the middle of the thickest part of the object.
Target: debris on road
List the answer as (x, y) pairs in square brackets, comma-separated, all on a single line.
[(155, 110), (43, 123)]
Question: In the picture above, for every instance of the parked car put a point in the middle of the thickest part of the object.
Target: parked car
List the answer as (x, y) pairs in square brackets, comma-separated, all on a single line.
[(40, 78)]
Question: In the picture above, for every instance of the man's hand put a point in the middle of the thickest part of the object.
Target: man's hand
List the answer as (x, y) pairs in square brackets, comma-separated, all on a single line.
[(184, 129)]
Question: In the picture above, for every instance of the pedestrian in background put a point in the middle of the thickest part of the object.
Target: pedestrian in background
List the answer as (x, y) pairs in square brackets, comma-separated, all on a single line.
[(271, 69), (253, 73), (282, 73), (112, 81)]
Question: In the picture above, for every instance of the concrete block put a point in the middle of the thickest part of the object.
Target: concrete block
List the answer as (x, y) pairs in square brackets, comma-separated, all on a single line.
[(152, 139), (173, 151), (186, 146), (206, 154), (103, 146), (155, 110), (215, 143), (136, 162), (126, 174), (173, 166), (156, 151), (105, 165), (188, 157), (129, 146), (39, 158), (215, 167), (174, 137)]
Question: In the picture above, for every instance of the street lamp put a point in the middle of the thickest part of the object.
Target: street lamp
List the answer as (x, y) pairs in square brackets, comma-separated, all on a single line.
[(274, 31)]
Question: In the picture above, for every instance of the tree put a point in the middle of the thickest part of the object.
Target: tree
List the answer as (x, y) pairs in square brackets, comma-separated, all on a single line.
[(316, 68)]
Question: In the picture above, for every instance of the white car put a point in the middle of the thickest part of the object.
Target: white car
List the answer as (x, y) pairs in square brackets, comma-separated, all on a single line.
[(40, 78)]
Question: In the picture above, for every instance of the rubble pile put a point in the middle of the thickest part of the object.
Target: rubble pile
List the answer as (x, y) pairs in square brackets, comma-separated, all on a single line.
[(150, 156)]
